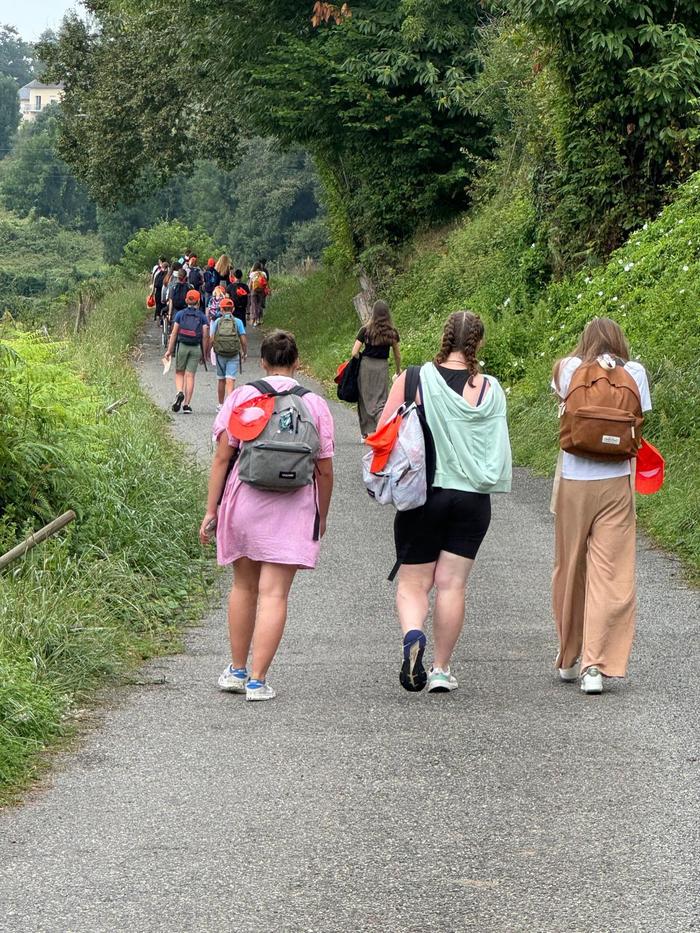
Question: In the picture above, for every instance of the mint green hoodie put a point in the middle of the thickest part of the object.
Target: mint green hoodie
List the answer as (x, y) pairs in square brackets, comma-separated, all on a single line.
[(471, 444)]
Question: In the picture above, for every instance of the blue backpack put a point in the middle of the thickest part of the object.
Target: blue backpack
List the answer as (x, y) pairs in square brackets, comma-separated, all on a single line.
[(190, 327), (211, 280)]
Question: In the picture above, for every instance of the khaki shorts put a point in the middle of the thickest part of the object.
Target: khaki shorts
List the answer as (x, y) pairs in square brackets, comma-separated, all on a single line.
[(187, 358)]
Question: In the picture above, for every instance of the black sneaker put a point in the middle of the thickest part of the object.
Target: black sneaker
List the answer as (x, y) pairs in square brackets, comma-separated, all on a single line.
[(413, 676), (186, 410), (178, 401)]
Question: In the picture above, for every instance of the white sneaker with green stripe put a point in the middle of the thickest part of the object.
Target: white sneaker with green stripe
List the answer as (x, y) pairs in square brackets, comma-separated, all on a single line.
[(440, 681)]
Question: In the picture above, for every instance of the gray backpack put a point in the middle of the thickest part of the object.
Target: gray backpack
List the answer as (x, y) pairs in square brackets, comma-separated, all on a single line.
[(283, 456)]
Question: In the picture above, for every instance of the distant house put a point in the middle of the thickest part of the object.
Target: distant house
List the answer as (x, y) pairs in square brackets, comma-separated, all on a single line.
[(35, 96)]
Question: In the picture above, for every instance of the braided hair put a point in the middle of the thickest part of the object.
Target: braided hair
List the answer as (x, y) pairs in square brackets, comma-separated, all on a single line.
[(463, 333)]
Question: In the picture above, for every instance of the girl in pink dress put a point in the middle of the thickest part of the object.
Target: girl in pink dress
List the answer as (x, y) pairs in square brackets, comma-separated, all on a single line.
[(267, 536)]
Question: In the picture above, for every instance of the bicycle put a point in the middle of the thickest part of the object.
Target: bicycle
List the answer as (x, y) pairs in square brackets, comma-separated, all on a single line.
[(164, 331)]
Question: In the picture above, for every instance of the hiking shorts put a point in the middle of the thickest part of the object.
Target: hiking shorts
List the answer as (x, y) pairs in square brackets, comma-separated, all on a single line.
[(187, 357), (227, 367), (451, 520)]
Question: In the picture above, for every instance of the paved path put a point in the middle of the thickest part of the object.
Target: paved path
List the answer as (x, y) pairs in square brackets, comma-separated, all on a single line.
[(515, 804)]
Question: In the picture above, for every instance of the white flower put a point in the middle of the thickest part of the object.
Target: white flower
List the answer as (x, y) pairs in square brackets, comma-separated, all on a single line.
[(682, 292), (481, 362), (561, 327), (645, 227), (600, 294), (579, 296), (551, 339), (542, 353), (506, 302), (686, 268), (588, 280), (628, 265), (507, 390), (615, 298)]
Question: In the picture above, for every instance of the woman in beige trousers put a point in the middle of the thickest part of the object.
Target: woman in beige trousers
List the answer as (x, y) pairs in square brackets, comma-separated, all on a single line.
[(593, 586)]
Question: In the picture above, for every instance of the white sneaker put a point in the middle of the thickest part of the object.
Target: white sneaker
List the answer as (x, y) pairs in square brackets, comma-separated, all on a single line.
[(259, 690), (233, 680), (592, 681), (440, 681), (569, 674)]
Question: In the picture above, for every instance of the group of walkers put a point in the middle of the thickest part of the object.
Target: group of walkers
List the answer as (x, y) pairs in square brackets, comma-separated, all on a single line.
[(204, 313), (268, 523)]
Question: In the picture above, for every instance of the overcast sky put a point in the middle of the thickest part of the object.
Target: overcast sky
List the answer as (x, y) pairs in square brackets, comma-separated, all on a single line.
[(32, 17)]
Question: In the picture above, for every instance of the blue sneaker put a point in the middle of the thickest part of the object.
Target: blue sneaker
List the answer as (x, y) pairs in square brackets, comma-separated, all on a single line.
[(233, 680), (413, 676)]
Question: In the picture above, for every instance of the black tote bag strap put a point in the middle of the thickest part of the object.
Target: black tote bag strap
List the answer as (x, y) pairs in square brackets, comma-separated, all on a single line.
[(412, 384)]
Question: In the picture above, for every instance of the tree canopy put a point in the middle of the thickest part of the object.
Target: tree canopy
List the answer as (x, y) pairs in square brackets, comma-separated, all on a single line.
[(17, 57), (376, 98), (401, 103)]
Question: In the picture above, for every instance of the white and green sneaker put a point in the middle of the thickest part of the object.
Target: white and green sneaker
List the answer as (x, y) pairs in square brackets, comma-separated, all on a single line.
[(592, 681), (259, 690), (440, 681), (233, 679)]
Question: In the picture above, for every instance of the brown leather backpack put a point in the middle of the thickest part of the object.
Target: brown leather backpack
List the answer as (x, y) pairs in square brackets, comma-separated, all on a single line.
[(601, 416)]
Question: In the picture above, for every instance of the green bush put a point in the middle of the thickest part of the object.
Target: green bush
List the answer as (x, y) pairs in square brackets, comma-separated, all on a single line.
[(40, 261), (112, 588), (167, 238)]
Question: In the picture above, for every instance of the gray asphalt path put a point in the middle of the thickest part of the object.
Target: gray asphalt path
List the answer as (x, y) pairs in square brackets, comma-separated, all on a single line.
[(514, 804)]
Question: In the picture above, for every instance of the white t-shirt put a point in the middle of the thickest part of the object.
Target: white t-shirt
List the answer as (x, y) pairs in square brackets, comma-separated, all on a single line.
[(575, 467)]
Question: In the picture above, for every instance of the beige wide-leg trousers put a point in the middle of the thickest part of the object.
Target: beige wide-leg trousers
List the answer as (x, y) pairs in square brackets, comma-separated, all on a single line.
[(593, 591)]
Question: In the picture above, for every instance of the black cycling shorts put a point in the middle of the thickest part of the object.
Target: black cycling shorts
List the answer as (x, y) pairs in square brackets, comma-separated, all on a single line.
[(450, 520)]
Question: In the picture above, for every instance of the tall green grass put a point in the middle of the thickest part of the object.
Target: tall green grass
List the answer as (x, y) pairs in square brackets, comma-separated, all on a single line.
[(318, 309), (117, 585), (493, 263)]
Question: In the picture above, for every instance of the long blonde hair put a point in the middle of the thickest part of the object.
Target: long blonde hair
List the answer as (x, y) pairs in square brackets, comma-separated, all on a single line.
[(223, 265), (600, 335)]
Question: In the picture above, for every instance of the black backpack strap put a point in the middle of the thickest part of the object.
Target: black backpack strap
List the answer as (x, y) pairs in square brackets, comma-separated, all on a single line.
[(412, 384), (300, 391), (264, 388)]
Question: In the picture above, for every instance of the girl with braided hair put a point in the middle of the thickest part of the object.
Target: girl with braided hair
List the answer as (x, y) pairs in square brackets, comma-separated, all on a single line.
[(377, 337), (464, 414)]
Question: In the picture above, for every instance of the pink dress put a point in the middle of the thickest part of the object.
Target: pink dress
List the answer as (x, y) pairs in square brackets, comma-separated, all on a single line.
[(274, 527)]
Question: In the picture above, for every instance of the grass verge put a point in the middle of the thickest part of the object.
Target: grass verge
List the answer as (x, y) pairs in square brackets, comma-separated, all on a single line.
[(118, 584)]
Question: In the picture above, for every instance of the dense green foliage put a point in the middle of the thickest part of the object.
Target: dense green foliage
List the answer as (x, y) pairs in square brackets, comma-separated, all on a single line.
[(40, 261), (268, 205), (113, 587), (17, 57), (492, 264), (9, 112), (168, 238), (376, 97), (34, 179), (404, 104), (627, 117)]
